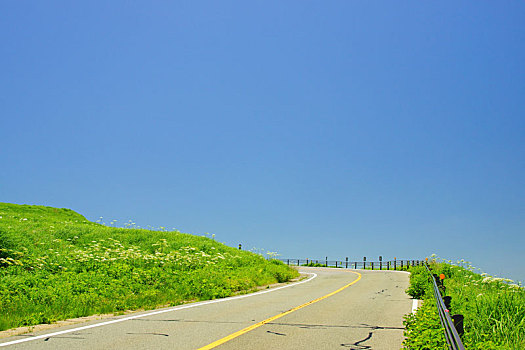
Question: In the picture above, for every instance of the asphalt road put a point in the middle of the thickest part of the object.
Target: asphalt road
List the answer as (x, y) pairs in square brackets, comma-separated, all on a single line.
[(366, 312)]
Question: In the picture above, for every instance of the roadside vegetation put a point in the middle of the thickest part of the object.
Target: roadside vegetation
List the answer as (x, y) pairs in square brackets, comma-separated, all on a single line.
[(55, 264), (493, 309), (316, 264)]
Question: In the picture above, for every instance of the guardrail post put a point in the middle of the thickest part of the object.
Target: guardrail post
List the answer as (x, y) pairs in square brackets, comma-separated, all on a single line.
[(395, 267), (380, 262), (346, 262), (441, 283), (306, 262), (240, 246), (436, 278), (447, 299), (326, 261), (401, 264), (458, 323), (288, 262), (372, 264), (297, 262), (336, 263), (355, 265)]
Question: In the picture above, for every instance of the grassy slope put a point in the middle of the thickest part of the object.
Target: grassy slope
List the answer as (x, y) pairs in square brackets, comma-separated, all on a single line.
[(55, 264)]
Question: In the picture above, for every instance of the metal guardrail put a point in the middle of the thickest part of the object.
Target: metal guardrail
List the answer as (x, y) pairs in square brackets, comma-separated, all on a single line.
[(373, 265), (452, 325)]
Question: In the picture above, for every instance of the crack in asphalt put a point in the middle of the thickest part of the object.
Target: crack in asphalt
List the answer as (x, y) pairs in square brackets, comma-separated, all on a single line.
[(271, 332), (300, 325), (321, 326), (357, 345), (48, 338)]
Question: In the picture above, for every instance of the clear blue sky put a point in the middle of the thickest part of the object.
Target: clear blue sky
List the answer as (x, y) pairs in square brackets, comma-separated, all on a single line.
[(313, 129)]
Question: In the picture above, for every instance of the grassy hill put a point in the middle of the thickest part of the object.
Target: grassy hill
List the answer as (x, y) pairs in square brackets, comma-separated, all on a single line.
[(55, 264)]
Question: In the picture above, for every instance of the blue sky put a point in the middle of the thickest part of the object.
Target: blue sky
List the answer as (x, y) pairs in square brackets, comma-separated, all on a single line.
[(312, 129)]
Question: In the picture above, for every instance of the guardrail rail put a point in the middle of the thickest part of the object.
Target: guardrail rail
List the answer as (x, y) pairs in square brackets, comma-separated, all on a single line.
[(373, 265), (451, 325)]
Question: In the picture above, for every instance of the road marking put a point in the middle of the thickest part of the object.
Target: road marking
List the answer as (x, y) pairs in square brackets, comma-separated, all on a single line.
[(414, 305), (257, 325), (313, 275)]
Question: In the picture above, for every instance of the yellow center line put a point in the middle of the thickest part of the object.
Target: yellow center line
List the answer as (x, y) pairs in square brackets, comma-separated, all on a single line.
[(257, 325)]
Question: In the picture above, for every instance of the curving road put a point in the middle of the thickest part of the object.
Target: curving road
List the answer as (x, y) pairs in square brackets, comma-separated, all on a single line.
[(333, 309)]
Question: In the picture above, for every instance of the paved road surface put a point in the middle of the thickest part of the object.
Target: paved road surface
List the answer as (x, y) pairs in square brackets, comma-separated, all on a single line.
[(367, 314)]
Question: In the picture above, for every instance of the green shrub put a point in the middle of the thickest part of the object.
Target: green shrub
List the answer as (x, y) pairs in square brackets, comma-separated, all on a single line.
[(312, 264), (419, 282), (423, 330)]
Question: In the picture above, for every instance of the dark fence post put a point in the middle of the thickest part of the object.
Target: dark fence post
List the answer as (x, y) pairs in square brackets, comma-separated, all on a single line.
[(447, 300), (380, 262), (346, 262), (395, 265), (306, 262), (458, 323), (326, 261), (336, 263), (372, 263), (240, 246), (441, 282), (364, 262), (355, 265)]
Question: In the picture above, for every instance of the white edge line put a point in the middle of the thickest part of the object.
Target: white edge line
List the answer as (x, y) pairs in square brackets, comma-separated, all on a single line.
[(314, 275), (379, 271), (414, 305)]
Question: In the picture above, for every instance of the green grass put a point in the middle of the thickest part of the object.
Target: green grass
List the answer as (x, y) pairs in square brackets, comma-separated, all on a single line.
[(55, 264), (493, 308)]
